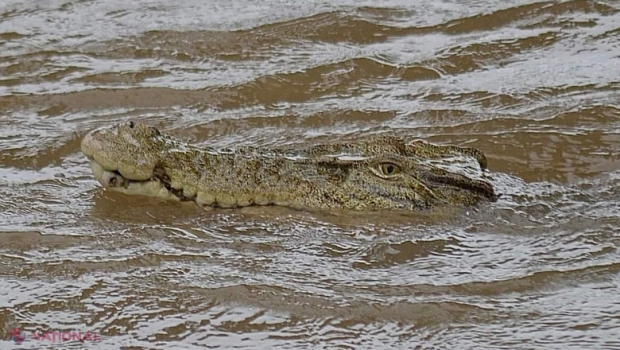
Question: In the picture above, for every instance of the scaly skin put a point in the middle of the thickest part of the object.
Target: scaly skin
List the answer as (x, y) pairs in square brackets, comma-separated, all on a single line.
[(375, 174)]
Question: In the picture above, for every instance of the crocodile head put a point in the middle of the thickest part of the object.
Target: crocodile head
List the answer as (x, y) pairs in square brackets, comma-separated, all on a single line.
[(378, 173)]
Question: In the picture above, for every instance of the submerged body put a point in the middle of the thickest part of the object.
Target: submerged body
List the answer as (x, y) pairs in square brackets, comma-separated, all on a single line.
[(379, 173)]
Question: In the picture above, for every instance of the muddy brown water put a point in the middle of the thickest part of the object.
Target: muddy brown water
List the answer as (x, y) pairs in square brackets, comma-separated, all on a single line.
[(534, 84)]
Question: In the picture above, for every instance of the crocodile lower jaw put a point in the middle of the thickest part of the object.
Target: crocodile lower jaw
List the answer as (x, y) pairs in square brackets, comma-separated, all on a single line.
[(113, 180), (160, 188)]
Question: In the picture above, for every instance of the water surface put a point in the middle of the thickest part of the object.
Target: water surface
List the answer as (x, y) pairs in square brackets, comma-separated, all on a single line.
[(534, 84)]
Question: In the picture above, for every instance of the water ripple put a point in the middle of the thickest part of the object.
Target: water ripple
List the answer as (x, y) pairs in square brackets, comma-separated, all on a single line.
[(531, 83)]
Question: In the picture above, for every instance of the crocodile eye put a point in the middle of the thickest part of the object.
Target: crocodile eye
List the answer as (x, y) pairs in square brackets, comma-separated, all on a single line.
[(390, 169), (132, 125)]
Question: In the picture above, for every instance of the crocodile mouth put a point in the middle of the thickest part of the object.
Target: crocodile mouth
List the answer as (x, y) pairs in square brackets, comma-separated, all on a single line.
[(158, 185), (126, 179)]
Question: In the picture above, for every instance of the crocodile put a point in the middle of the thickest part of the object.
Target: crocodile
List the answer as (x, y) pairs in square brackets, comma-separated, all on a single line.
[(377, 173)]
